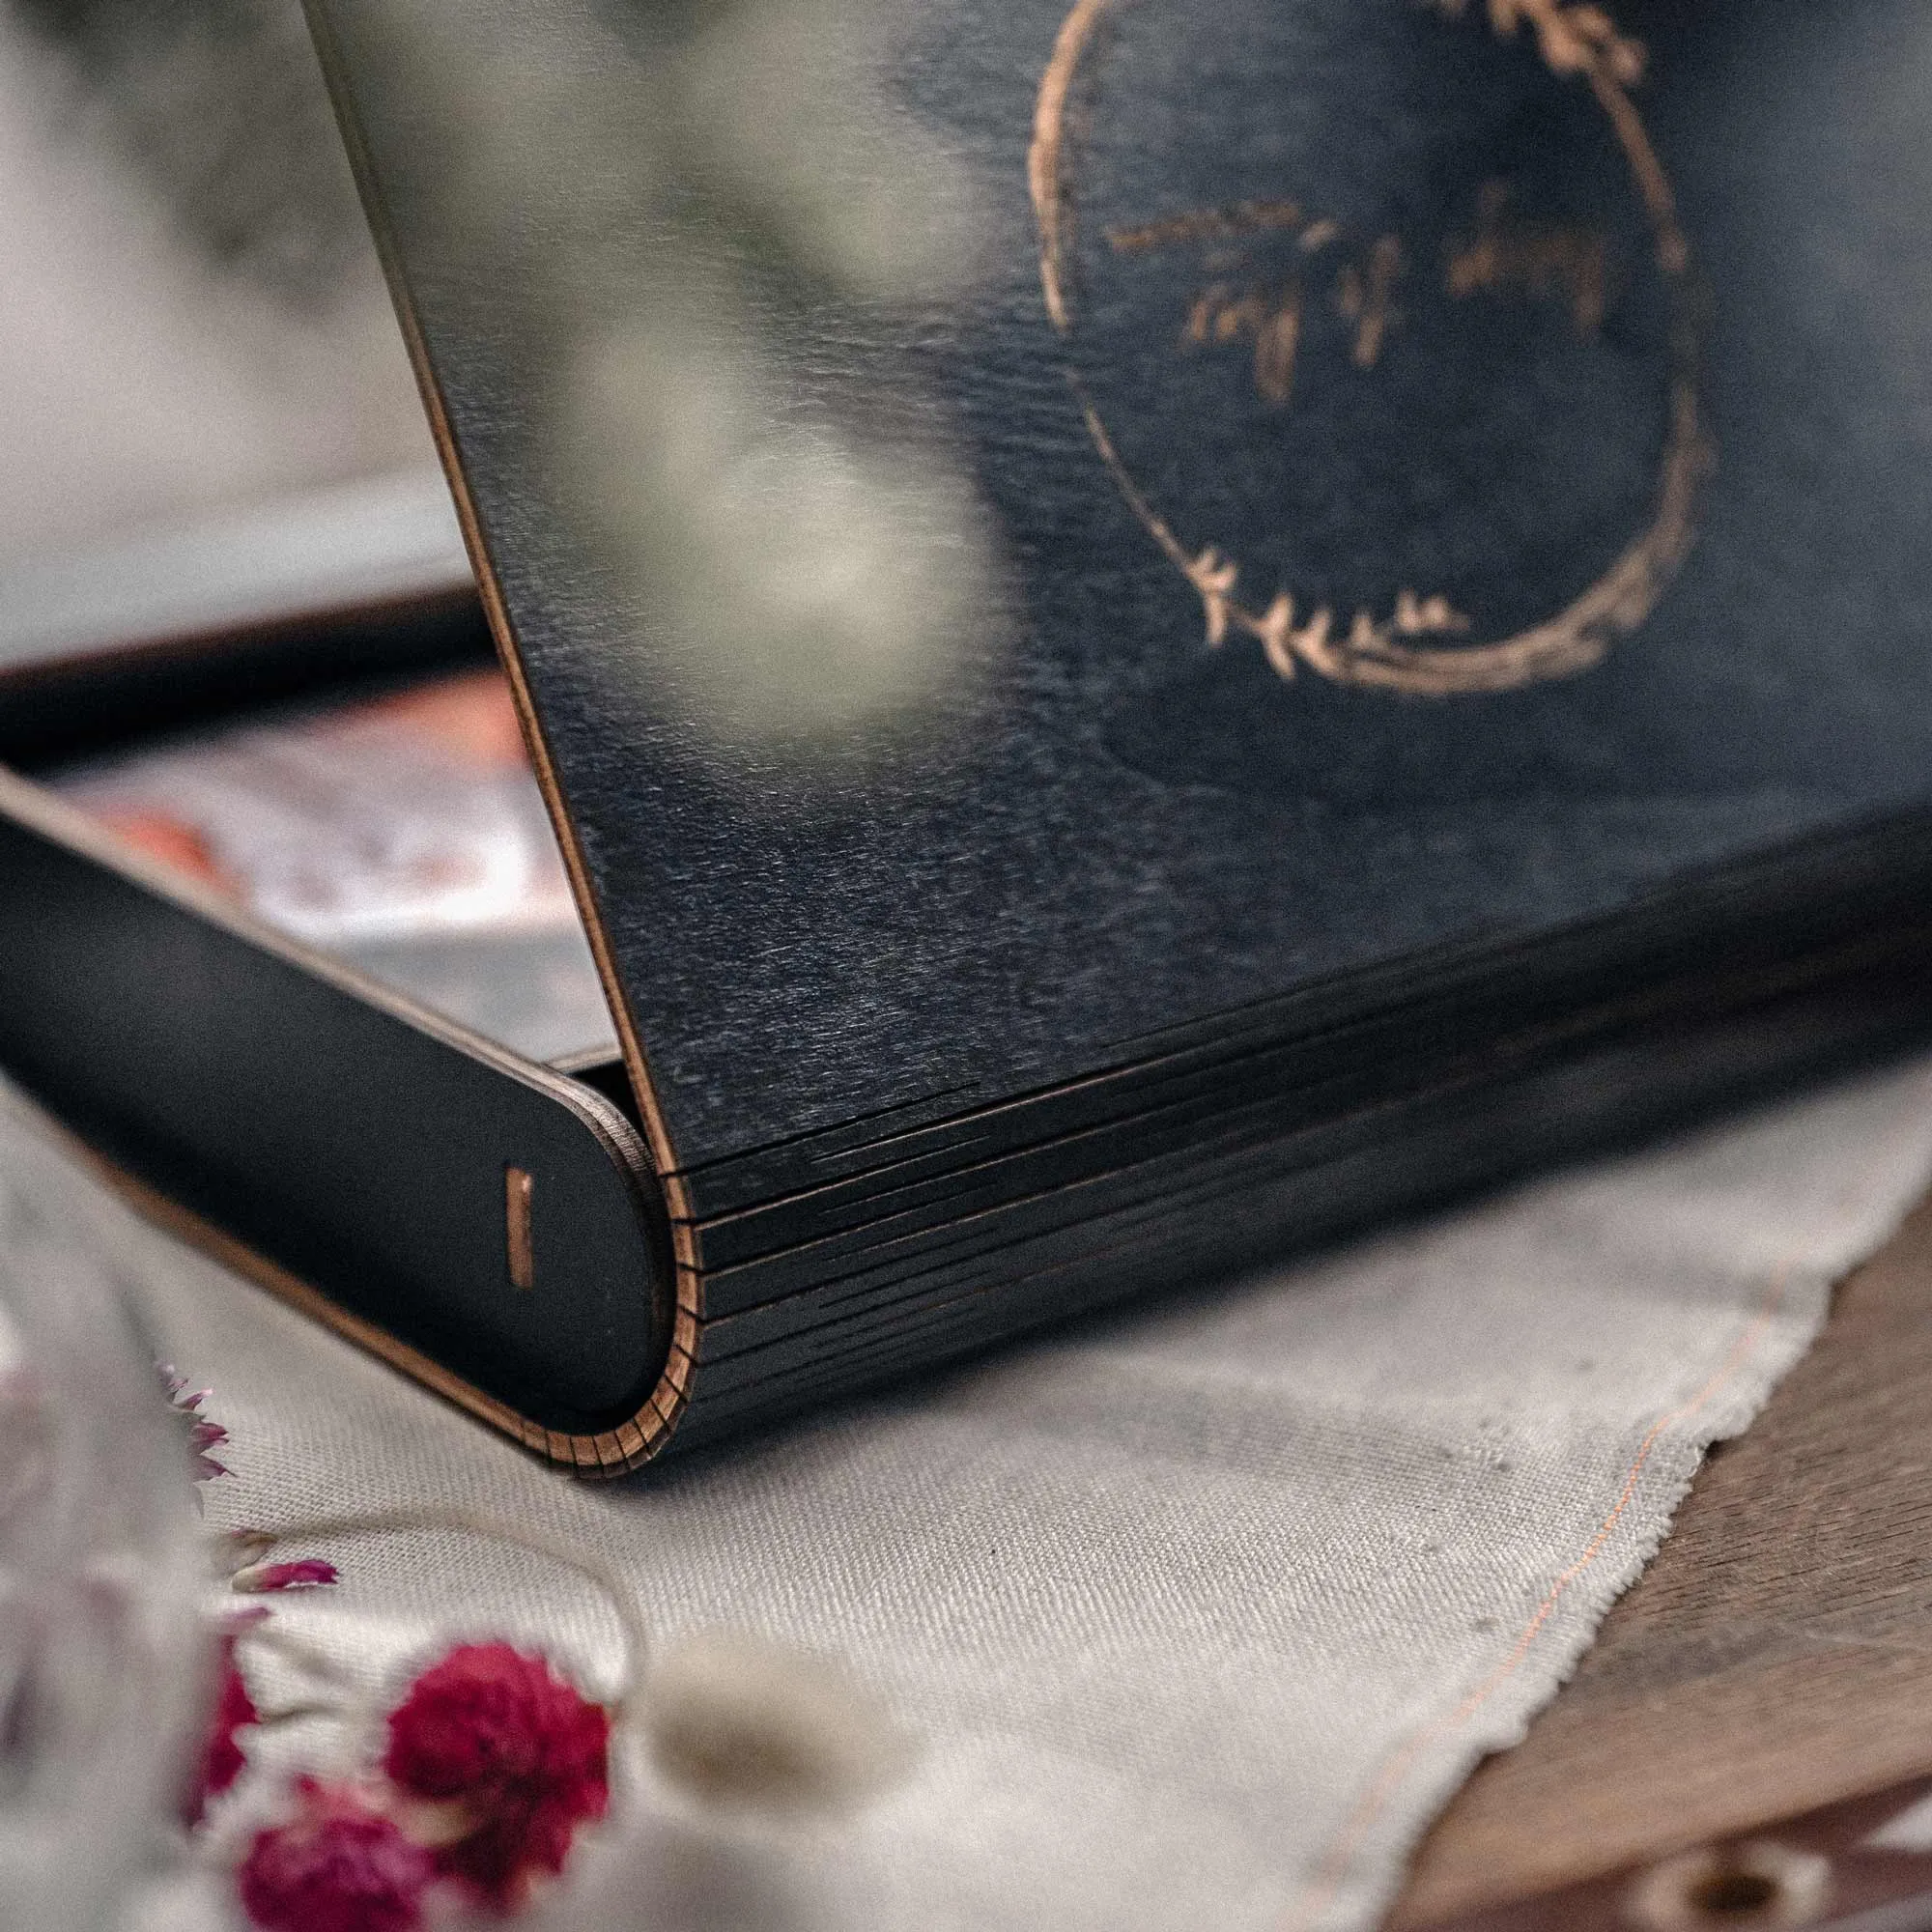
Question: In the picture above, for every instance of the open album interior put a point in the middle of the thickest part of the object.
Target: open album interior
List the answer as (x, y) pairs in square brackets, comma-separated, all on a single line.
[(402, 833)]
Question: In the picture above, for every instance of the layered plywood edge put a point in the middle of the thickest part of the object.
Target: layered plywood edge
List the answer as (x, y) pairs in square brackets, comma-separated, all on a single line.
[(604, 1453)]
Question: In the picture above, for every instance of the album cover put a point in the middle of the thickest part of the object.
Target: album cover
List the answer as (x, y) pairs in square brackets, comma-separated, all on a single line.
[(1147, 631)]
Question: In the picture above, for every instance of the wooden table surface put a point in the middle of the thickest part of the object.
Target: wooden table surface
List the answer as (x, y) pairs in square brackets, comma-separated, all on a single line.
[(1776, 1659)]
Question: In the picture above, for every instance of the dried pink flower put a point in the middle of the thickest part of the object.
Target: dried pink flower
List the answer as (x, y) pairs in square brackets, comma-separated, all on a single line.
[(260, 1578), (203, 1435), (523, 1752), (338, 1865), (221, 1757)]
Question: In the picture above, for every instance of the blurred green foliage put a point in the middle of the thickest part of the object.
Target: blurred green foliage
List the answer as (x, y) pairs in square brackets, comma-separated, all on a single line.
[(220, 106)]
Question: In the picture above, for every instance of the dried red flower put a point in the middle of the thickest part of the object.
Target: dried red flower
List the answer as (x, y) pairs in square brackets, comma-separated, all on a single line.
[(202, 1433), (221, 1758), (338, 1865), (259, 1578), (523, 1752)]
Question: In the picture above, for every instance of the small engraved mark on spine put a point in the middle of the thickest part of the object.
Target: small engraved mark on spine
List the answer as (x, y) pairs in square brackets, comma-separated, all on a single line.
[(518, 1190)]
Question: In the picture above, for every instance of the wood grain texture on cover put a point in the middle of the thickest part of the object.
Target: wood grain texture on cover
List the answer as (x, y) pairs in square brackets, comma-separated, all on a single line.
[(1534, 297), (1154, 630)]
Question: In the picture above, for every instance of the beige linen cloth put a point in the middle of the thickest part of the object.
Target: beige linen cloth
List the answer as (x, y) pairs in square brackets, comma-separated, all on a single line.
[(1199, 1613)]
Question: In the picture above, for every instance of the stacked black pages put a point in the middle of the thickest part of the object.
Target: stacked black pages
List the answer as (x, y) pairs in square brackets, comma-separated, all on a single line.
[(1149, 630)]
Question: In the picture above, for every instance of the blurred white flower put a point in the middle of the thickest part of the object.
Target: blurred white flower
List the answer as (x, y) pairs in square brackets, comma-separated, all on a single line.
[(665, 209), (785, 110), (795, 582), (738, 1723)]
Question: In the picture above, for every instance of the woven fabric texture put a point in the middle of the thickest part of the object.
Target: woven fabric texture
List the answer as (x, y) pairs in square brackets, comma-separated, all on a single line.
[(1200, 1613)]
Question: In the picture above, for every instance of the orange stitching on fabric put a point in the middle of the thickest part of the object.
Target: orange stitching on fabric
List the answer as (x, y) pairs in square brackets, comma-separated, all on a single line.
[(1328, 1878)]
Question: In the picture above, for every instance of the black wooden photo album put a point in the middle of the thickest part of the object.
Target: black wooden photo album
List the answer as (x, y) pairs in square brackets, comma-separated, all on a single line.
[(1126, 634)]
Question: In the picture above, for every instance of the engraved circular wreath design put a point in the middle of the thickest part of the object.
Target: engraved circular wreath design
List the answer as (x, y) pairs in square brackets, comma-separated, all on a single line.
[(1393, 653)]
